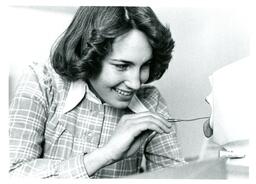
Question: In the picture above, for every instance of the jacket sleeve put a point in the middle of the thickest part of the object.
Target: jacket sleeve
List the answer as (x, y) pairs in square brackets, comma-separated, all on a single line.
[(27, 118), (161, 150)]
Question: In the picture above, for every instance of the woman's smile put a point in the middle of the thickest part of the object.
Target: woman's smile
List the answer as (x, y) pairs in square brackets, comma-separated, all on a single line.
[(123, 92)]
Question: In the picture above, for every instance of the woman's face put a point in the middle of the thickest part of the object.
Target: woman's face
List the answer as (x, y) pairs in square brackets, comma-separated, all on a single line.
[(124, 70)]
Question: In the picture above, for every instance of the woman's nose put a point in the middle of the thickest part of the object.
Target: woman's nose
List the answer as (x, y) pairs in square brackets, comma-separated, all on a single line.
[(133, 81)]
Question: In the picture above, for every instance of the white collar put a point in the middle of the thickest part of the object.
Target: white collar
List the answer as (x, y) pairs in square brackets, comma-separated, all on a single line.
[(79, 89)]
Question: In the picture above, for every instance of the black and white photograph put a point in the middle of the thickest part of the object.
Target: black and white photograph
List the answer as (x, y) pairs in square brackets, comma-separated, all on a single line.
[(129, 91)]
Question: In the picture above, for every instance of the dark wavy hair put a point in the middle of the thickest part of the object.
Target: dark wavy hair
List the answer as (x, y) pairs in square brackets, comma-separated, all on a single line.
[(79, 52)]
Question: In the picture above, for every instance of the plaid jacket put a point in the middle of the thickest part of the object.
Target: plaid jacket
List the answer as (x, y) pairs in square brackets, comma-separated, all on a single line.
[(55, 123)]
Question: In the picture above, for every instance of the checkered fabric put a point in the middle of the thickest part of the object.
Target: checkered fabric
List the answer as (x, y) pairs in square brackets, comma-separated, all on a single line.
[(46, 142)]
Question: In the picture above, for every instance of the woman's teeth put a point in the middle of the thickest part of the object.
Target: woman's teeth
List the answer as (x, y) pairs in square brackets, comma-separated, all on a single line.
[(121, 92)]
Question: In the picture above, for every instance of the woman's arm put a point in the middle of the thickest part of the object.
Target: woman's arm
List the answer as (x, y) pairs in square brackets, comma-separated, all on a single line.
[(27, 118), (28, 113), (161, 150)]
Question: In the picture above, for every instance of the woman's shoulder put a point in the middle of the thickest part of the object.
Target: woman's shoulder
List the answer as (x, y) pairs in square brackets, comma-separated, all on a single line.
[(41, 69), (45, 75), (148, 91), (39, 80), (149, 95)]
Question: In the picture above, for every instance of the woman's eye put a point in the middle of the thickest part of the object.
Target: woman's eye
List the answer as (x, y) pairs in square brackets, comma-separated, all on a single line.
[(121, 67)]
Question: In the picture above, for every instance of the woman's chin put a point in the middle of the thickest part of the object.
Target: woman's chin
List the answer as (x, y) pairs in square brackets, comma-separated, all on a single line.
[(120, 105)]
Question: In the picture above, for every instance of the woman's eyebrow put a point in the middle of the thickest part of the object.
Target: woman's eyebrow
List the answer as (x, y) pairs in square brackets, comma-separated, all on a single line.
[(123, 61), (129, 62)]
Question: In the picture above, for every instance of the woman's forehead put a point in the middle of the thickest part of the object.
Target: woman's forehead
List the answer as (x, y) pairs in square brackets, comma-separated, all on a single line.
[(132, 46)]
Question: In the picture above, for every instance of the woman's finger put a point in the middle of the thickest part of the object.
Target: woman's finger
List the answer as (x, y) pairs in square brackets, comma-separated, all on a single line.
[(149, 117)]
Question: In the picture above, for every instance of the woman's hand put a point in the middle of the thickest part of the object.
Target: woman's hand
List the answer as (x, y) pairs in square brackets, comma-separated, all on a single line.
[(131, 132)]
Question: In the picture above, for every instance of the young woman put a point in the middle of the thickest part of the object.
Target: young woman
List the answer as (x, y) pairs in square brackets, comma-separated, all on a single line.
[(88, 113)]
